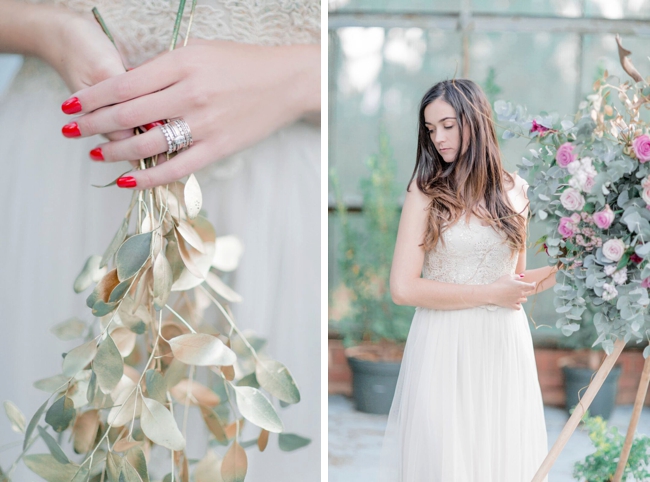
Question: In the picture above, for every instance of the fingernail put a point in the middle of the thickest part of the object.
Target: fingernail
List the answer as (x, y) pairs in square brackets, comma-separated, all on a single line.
[(127, 181), (96, 154), (71, 106), (151, 125), (71, 130)]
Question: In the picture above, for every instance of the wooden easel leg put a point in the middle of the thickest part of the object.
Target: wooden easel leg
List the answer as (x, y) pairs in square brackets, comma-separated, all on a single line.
[(579, 411), (636, 413)]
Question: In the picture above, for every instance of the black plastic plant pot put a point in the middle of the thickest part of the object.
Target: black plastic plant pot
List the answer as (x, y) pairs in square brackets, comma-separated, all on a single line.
[(576, 379), (373, 384)]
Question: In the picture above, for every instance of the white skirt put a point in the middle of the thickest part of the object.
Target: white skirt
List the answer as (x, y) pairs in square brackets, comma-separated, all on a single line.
[(468, 405)]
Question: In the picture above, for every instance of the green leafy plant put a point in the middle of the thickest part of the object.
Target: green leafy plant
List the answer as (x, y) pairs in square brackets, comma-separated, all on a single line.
[(600, 466), (366, 253)]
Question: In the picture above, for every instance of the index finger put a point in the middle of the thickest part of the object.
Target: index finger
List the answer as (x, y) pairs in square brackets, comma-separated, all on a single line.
[(142, 80)]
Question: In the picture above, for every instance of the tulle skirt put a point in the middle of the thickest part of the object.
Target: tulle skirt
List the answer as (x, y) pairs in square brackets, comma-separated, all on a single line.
[(468, 405)]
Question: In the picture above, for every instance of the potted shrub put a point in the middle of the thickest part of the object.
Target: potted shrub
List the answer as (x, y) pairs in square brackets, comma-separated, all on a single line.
[(601, 465), (579, 369), (373, 328)]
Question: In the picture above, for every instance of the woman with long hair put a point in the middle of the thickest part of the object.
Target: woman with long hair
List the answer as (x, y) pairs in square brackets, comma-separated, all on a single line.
[(468, 405)]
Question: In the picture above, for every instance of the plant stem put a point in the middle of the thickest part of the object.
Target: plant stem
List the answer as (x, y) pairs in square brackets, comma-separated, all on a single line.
[(177, 26)]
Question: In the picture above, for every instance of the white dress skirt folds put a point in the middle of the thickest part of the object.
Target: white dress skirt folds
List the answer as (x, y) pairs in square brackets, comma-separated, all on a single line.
[(268, 195), (468, 405)]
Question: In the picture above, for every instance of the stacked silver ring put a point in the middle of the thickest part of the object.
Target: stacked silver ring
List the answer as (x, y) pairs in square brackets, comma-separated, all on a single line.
[(178, 135)]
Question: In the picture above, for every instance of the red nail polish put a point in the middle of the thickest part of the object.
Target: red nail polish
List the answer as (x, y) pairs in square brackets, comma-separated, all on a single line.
[(71, 130), (96, 154), (151, 125), (127, 181), (71, 106)]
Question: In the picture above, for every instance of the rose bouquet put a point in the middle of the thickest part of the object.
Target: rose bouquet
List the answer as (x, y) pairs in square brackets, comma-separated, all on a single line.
[(589, 181)]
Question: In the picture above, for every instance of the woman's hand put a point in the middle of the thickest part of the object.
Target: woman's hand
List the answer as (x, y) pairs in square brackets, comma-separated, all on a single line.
[(230, 94), (72, 43), (509, 292)]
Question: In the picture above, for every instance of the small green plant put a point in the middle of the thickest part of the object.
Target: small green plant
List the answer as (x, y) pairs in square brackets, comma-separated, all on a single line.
[(366, 253), (601, 465)]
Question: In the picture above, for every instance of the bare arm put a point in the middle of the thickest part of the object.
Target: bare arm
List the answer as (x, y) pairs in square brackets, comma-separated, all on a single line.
[(544, 278), (23, 27)]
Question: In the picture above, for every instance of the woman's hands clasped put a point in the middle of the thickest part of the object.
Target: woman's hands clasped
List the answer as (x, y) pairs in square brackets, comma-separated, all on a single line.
[(509, 292), (230, 94)]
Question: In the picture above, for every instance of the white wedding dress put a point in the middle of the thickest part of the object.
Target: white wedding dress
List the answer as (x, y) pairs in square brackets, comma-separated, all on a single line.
[(53, 219), (468, 405)]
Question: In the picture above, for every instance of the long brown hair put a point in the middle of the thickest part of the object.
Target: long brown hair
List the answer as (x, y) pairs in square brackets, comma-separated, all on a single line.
[(458, 187)]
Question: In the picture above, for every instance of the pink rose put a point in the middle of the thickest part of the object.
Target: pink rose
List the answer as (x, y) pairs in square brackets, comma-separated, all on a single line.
[(566, 227), (613, 249), (645, 283), (641, 145), (564, 155), (604, 218), (572, 200), (589, 183), (575, 218)]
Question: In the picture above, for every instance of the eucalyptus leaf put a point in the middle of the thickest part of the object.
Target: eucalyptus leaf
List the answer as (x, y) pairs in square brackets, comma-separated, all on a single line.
[(91, 272), (292, 441), (222, 289), (235, 464), (156, 386), (214, 424), (46, 466), (201, 349), (108, 365), (92, 388), (256, 408), (162, 281), (129, 474), (132, 255), (136, 458), (275, 378), (113, 467), (117, 241), (60, 414), (69, 329), (15, 416), (176, 371), (193, 197), (33, 423), (77, 359), (159, 425), (55, 448)]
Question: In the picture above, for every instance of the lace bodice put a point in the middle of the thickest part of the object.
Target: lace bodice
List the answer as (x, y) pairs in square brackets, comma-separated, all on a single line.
[(143, 28), (472, 254)]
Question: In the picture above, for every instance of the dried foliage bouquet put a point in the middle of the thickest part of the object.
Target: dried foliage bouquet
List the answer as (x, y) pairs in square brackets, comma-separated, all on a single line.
[(154, 354), (589, 182)]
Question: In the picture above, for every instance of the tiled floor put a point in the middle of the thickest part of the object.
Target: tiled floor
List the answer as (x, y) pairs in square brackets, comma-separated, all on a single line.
[(355, 440)]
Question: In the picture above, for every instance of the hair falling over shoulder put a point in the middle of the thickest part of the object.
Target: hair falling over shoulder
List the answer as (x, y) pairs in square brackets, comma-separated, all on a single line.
[(477, 175)]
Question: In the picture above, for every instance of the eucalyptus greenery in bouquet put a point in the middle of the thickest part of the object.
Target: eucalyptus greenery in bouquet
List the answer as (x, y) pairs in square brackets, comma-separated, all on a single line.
[(154, 353), (366, 253), (589, 180), (601, 465)]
